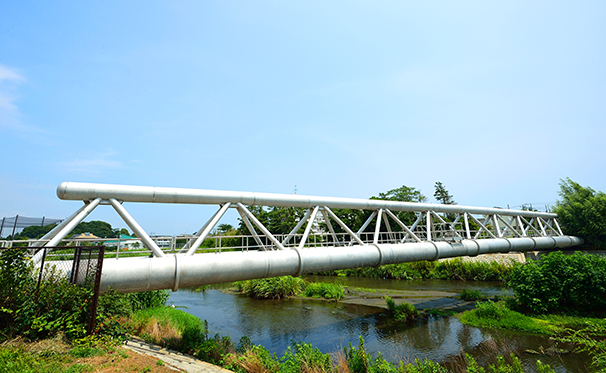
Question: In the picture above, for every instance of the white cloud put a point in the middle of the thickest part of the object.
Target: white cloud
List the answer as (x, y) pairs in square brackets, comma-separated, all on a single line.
[(9, 79), (93, 166)]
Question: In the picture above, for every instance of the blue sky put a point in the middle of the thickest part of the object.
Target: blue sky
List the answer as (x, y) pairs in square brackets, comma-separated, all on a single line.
[(497, 100)]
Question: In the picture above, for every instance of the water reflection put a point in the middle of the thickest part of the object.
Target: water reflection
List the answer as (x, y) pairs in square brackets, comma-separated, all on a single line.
[(331, 326)]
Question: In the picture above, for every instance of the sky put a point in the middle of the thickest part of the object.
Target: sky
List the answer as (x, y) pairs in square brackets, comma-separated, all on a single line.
[(499, 101)]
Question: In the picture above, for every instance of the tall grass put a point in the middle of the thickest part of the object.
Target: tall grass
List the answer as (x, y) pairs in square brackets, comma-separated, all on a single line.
[(324, 290), (454, 269), (274, 288)]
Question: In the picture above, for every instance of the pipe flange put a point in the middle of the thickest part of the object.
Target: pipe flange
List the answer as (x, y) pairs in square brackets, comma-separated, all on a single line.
[(437, 251), (300, 269), (380, 255), (177, 274)]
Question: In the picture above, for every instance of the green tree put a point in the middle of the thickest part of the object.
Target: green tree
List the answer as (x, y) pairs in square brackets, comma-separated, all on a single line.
[(403, 194), (441, 195), (96, 227), (34, 231), (582, 212)]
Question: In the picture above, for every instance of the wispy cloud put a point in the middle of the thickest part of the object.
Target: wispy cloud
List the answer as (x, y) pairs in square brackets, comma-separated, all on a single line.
[(10, 80), (93, 166)]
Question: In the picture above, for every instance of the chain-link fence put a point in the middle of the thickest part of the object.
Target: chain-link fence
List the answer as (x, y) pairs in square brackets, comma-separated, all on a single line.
[(9, 226), (81, 265)]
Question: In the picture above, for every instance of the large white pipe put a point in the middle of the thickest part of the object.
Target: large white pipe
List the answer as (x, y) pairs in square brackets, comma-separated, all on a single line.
[(131, 193), (172, 272)]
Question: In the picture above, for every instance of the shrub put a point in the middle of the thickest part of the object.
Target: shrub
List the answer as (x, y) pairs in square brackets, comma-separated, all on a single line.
[(402, 312), (275, 287), (558, 283), (582, 212), (324, 290)]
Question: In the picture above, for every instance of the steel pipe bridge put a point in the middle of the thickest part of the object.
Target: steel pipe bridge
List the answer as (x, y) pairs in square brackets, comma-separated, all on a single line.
[(392, 232)]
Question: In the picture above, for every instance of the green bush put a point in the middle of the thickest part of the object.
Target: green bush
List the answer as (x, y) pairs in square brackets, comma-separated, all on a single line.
[(402, 312), (569, 284), (57, 306), (454, 269), (275, 287), (324, 290)]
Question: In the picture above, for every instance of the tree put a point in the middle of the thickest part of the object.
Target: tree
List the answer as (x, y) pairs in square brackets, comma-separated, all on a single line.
[(441, 195), (582, 212), (98, 228), (402, 194), (34, 231)]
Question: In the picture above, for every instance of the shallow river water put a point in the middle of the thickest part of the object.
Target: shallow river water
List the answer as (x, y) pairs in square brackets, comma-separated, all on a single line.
[(331, 326)]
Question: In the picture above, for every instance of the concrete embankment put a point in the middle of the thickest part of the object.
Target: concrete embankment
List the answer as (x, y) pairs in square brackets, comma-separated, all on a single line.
[(174, 359)]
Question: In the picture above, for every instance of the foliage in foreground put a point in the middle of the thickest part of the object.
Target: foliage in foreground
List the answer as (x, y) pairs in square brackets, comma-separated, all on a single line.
[(302, 357), (58, 306), (569, 284), (591, 339)]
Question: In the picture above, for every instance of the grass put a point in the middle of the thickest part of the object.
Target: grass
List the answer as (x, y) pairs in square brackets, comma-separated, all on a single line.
[(498, 316), (165, 326), (472, 295), (274, 288), (324, 290), (454, 269)]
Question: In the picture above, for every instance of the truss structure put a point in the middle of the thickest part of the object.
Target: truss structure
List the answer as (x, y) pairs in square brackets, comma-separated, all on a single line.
[(450, 223)]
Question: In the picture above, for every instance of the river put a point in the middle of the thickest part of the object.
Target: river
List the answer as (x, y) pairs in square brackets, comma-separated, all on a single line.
[(331, 326)]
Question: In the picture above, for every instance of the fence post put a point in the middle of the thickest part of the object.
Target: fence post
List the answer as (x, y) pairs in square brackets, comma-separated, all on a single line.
[(95, 300)]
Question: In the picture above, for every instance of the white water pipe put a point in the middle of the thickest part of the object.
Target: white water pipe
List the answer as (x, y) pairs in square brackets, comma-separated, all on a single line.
[(131, 193), (172, 272)]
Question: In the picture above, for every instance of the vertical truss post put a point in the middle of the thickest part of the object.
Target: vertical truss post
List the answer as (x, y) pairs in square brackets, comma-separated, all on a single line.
[(375, 239), (429, 222)]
